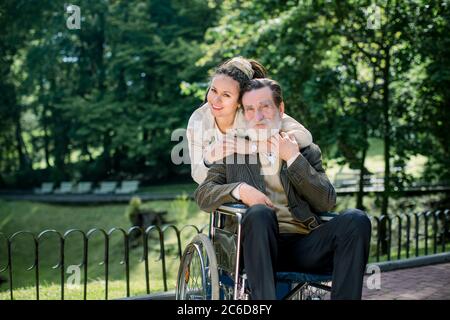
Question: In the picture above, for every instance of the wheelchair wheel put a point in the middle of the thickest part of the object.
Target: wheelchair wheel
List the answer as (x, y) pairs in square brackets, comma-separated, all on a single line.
[(198, 277)]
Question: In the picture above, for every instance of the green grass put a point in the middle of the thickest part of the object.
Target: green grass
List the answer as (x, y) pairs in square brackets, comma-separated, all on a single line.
[(95, 291), (412, 251), (375, 161), (37, 217), (396, 206)]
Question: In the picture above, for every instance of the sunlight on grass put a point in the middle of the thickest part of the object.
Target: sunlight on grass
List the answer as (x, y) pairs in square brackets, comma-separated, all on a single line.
[(375, 162), (37, 217)]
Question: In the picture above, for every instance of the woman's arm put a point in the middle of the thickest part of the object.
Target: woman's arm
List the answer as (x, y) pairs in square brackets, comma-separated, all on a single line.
[(202, 152), (293, 128), (194, 136)]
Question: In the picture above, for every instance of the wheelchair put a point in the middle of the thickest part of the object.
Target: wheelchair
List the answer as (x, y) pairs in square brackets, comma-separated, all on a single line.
[(210, 267)]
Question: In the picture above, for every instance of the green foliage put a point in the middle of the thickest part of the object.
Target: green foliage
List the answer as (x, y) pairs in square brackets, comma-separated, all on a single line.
[(105, 98), (133, 207), (101, 102), (348, 81), (183, 206)]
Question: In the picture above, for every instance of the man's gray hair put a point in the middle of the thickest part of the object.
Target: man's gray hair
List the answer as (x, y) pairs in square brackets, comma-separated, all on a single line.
[(273, 85)]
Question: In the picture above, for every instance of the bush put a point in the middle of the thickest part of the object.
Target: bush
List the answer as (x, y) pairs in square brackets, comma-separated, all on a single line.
[(143, 217)]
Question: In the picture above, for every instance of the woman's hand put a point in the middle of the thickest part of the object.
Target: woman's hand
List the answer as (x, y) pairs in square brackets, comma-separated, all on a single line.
[(219, 149), (229, 145), (281, 144), (287, 146)]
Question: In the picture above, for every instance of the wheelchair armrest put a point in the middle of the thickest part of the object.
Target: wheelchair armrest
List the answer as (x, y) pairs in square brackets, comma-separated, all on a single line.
[(237, 207), (232, 208), (327, 216)]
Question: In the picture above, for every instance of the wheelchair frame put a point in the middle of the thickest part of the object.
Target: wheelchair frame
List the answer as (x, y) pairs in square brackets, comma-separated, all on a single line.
[(289, 286), (232, 211)]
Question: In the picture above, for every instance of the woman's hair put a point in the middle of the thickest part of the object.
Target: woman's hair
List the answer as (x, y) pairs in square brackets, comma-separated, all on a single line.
[(241, 70)]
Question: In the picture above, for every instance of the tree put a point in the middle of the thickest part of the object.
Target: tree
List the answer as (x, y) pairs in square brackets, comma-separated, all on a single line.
[(108, 93)]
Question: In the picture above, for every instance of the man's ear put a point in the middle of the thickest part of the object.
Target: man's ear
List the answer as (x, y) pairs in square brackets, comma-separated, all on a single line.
[(281, 109)]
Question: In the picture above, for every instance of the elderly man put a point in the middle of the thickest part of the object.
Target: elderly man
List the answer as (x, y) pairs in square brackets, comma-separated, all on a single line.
[(285, 187)]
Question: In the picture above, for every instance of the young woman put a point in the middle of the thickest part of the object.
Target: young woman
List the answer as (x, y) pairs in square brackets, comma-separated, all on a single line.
[(217, 128)]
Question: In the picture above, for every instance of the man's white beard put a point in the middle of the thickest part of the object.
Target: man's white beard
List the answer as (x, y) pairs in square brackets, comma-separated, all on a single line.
[(272, 128)]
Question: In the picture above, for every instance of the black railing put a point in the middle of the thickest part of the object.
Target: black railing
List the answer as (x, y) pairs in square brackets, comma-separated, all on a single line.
[(85, 237), (416, 225), (400, 232)]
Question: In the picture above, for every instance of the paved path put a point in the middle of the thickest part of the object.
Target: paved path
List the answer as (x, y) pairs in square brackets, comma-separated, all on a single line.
[(422, 283), (429, 282)]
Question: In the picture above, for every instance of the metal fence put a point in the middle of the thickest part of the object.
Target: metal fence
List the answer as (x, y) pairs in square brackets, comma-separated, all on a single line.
[(400, 236), (411, 231), (62, 239)]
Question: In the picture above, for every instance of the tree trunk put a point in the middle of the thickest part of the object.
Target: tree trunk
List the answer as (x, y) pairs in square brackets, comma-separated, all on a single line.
[(99, 54), (362, 171), (46, 136), (387, 144), (106, 156), (23, 160), (362, 168), (386, 134)]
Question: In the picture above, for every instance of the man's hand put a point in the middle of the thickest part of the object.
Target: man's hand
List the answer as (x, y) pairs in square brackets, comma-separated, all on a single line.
[(251, 196)]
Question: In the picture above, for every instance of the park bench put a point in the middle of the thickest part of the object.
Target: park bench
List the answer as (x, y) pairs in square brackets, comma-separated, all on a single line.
[(106, 187), (46, 187), (83, 187), (65, 187), (128, 186)]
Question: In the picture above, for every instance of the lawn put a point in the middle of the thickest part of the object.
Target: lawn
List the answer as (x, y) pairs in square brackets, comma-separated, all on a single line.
[(36, 217), (375, 162)]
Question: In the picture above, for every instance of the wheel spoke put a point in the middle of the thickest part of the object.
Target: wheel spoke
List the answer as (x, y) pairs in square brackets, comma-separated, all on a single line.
[(195, 280)]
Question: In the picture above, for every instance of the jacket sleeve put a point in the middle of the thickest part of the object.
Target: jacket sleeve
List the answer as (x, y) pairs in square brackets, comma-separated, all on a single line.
[(293, 127), (215, 191), (309, 179)]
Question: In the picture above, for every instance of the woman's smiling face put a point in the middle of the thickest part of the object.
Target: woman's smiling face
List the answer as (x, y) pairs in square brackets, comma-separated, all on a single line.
[(223, 96)]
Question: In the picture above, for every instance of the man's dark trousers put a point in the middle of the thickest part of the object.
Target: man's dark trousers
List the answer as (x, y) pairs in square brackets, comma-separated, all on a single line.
[(340, 245)]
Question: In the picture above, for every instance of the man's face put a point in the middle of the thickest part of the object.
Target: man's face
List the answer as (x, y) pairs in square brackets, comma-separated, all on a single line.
[(263, 117)]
